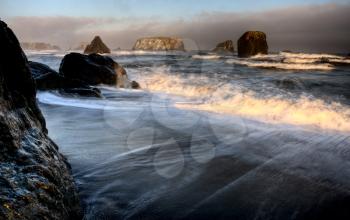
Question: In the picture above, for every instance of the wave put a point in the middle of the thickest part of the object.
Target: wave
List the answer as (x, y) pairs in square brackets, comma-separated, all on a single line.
[(206, 57), (310, 56), (55, 99), (143, 52), (285, 66), (231, 99)]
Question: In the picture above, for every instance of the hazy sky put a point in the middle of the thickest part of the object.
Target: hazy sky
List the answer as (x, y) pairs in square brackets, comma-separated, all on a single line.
[(303, 25)]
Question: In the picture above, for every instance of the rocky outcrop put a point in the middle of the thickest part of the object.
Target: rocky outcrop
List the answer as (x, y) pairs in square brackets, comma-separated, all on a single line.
[(35, 179), (48, 79), (159, 44), (95, 69), (39, 46), (252, 43), (225, 47), (96, 46)]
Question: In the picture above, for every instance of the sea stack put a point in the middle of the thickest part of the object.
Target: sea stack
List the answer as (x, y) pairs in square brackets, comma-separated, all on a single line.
[(159, 44), (35, 179), (96, 46), (252, 43), (226, 47)]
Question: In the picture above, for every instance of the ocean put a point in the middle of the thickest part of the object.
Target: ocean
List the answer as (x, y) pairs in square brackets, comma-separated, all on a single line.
[(210, 136)]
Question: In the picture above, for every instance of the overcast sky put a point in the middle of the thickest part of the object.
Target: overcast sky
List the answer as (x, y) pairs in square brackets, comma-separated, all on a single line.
[(308, 25)]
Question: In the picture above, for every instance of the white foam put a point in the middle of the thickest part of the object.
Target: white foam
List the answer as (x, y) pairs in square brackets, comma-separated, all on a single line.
[(143, 52), (230, 99), (278, 65), (54, 99), (206, 57), (310, 56)]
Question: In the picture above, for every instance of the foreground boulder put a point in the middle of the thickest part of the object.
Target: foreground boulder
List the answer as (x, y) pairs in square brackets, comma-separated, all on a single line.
[(35, 179), (96, 46), (252, 43), (159, 44), (48, 79), (225, 47), (95, 69)]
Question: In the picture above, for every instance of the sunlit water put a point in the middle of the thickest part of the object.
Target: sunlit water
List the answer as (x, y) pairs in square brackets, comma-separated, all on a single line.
[(210, 136)]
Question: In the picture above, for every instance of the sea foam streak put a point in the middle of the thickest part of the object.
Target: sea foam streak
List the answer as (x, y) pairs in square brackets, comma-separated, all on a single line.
[(229, 99), (292, 61), (286, 66), (206, 57)]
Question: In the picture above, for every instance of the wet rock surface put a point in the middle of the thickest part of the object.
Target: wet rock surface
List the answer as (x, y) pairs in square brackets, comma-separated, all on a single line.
[(48, 79), (97, 46), (35, 179), (95, 69), (159, 44), (252, 43)]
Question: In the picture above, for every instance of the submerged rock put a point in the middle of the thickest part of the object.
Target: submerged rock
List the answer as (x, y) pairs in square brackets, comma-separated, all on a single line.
[(252, 43), (35, 179), (159, 44), (48, 79), (95, 69), (96, 46), (226, 46)]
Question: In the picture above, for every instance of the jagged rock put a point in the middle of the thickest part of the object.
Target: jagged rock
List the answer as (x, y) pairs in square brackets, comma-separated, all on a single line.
[(96, 46), (39, 46), (35, 179), (94, 69), (226, 46), (252, 43), (48, 79), (159, 44)]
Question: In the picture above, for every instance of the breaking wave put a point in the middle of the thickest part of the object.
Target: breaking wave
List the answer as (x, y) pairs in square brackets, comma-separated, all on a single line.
[(206, 57), (286, 66), (293, 61), (208, 95)]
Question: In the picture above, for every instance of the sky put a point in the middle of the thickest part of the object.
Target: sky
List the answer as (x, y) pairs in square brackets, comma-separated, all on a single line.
[(301, 25)]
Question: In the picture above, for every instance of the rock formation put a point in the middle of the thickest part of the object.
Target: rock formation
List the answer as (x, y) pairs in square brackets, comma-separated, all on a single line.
[(159, 44), (95, 69), (38, 46), (96, 46), (252, 43), (35, 180), (48, 79), (226, 46)]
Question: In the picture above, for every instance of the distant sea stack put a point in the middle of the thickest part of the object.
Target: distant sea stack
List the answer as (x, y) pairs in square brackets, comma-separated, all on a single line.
[(96, 46), (35, 179), (38, 46), (159, 44), (226, 46), (252, 43)]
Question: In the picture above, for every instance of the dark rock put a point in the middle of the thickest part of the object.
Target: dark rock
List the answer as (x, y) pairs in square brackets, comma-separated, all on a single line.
[(252, 43), (96, 46), (159, 44), (35, 179), (226, 47), (94, 69), (48, 79)]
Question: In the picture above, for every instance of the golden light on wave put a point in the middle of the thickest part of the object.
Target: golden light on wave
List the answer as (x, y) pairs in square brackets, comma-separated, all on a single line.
[(302, 112)]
